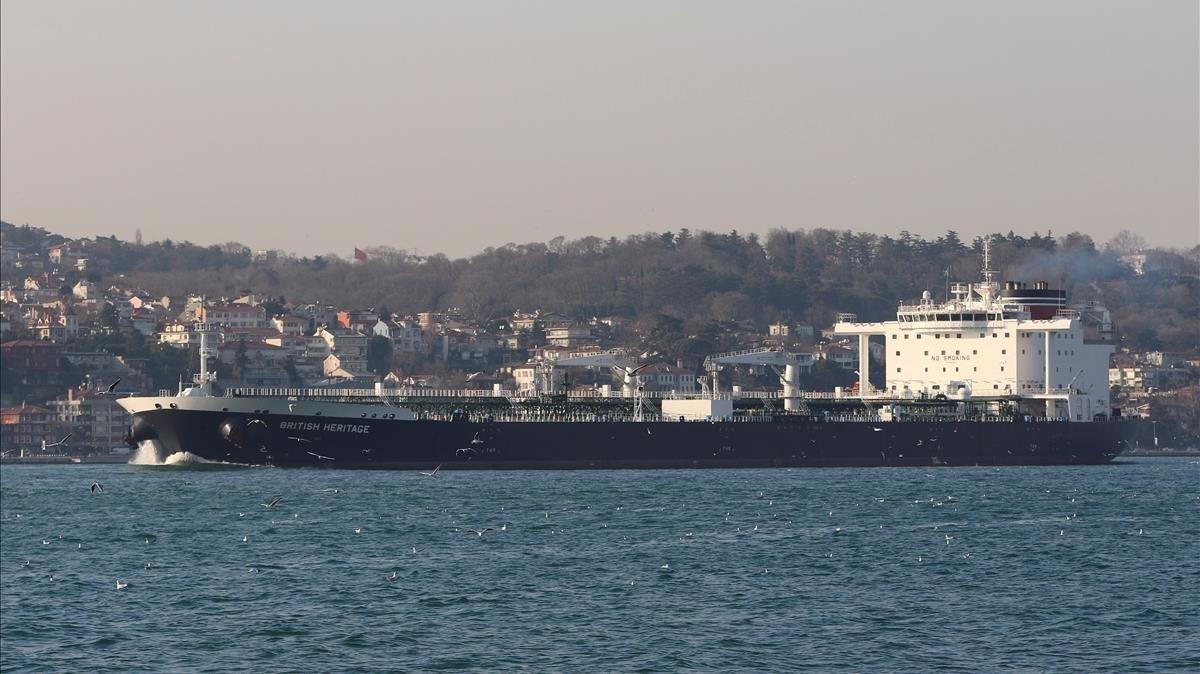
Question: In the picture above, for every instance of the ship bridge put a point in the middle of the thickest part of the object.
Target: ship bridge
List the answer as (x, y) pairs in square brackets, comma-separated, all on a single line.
[(1017, 343)]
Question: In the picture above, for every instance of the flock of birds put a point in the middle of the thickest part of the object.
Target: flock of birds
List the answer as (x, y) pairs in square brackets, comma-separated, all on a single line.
[(773, 521)]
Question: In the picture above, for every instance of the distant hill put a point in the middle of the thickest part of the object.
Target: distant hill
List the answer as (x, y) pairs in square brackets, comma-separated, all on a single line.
[(681, 282)]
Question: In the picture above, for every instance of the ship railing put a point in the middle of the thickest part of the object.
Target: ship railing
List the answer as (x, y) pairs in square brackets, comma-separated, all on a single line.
[(534, 416), (392, 393)]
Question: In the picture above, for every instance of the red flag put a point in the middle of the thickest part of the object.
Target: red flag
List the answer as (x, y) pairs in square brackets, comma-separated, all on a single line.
[(360, 255)]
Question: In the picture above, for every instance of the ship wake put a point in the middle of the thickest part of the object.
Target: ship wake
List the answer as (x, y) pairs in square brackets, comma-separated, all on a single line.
[(151, 453)]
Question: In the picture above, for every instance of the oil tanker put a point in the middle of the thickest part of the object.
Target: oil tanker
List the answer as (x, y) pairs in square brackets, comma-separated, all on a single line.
[(993, 375)]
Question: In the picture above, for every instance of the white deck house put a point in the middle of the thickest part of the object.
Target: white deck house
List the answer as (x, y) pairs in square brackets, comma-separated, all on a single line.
[(1022, 343)]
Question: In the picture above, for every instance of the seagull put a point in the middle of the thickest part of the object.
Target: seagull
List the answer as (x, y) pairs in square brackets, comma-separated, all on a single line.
[(504, 527), (1141, 531), (665, 567), (148, 567), (111, 387), (319, 456), (434, 472), (96, 486), (272, 504), (465, 450), (45, 542), (60, 442), (876, 429), (480, 532), (358, 530), (948, 538), (298, 439), (392, 577), (121, 585), (245, 539)]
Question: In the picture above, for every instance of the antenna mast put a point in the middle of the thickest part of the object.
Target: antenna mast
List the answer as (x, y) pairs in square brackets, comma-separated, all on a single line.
[(987, 289)]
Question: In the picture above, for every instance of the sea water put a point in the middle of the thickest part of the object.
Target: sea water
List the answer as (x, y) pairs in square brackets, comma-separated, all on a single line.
[(974, 569)]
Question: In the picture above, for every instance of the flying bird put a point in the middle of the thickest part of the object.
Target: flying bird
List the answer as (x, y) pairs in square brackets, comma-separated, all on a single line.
[(392, 577), (480, 532), (60, 442), (434, 472), (319, 456), (121, 585), (96, 486), (274, 502), (111, 387)]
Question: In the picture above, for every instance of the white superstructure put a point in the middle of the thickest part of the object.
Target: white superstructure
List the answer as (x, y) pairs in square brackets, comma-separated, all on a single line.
[(1018, 343)]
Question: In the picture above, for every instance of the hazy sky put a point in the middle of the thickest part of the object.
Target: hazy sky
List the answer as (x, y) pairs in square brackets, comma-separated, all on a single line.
[(452, 126)]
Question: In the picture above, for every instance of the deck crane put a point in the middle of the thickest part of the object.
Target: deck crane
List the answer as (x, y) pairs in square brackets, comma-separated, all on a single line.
[(774, 357), (615, 359)]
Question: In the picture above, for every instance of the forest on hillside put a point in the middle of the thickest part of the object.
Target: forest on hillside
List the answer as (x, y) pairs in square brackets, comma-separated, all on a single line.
[(687, 280)]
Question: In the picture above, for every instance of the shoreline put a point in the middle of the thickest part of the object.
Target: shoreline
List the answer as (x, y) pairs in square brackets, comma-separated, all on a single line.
[(66, 460)]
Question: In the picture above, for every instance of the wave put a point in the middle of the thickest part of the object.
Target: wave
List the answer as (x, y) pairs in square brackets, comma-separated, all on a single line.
[(151, 453)]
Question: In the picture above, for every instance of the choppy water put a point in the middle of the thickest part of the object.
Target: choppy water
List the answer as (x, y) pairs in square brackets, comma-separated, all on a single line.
[(753, 570)]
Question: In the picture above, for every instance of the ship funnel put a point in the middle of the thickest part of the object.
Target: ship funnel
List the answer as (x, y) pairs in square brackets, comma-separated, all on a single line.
[(1041, 285)]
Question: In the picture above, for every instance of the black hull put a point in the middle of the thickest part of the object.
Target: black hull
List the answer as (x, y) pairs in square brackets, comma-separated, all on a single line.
[(328, 442)]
